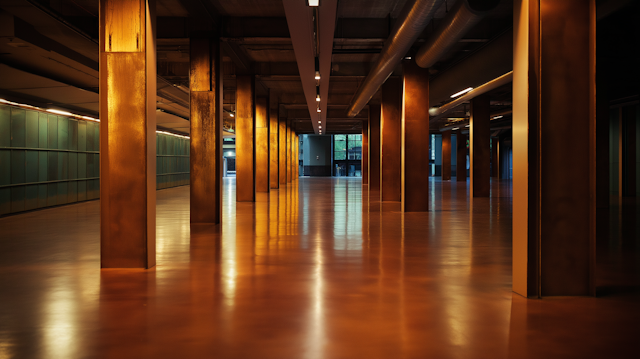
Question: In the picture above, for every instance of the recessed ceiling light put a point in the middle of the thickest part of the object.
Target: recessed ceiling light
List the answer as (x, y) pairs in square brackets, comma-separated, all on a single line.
[(314, 2), (462, 92)]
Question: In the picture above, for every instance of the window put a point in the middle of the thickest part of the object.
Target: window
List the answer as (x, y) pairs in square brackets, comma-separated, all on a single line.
[(340, 147)]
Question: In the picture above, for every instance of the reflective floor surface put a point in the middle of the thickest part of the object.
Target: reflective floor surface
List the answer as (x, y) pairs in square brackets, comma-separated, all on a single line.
[(318, 269)]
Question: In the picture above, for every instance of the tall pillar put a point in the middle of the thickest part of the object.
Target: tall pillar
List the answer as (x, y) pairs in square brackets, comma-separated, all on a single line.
[(289, 134), (461, 156), (391, 142), (245, 135), (282, 147), (479, 151), (206, 130), (495, 157), (127, 134), (446, 155), (273, 142), (262, 144), (628, 155), (374, 147), (414, 138), (554, 174), (296, 157), (364, 166)]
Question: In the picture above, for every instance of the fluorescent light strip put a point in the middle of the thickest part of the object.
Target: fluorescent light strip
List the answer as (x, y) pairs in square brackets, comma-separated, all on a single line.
[(462, 92), (314, 2)]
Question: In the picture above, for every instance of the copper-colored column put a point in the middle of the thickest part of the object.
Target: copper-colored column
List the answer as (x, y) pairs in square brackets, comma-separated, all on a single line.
[(364, 167), (554, 174), (245, 134), (127, 134), (289, 134), (479, 146), (273, 142), (446, 155), (602, 144), (415, 134), (461, 156), (206, 131), (495, 160), (391, 142), (296, 157), (262, 144), (282, 145), (374, 147)]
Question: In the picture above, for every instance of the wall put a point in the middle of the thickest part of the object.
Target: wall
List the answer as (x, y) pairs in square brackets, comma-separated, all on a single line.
[(48, 160), (316, 155)]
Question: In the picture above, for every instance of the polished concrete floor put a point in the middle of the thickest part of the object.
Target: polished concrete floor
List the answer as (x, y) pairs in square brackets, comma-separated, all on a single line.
[(314, 270)]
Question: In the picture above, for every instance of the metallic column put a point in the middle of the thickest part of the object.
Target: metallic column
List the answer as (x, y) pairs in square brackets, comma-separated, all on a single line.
[(415, 135), (461, 156), (127, 134), (479, 151), (273, 141), (446, 155), (282, 146), (374, 147), (554, 174), (390, 143), (289, 134), (262, 144), (245, 134), (364, 167), (206, 130)]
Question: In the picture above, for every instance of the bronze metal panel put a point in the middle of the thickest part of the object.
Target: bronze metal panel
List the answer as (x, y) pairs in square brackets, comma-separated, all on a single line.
[(415, 134), (124, 25), (365, 153), (201, 64), (245, 135), (479, 154), (390, 143), (289, 133), (461, 156), (446, 155), (374, 147), (262, 144), (273, 142), (282, 147)]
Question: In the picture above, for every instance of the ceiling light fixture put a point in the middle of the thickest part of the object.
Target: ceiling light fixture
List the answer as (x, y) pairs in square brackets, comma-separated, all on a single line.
[(314, 2), (462, 92), (231, 114), (317, 94), (455, 128), (497, 117), (64, 113), (319, 110)]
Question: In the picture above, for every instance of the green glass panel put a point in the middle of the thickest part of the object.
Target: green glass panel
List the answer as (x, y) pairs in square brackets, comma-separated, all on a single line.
[(17, 199), (42, 195), (63, 133), (82, 190), (53, 132), (5, 200), (73, 134), (96, 135), (90, 165), (72, 195), (52, 166), (52, 194), (82, 165), (32, 167), (5, 167), (43, 134), (31, 197), (32, 129), (42, 166), (18, 127), (63, 165), (62, 192), (18, 173), (73, 165), (82, 136), (5, 126), (91, 140)]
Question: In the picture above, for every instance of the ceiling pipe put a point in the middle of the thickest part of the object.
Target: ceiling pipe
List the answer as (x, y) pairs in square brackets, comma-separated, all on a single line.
[(486, 87), (464, 15), (414, 18)]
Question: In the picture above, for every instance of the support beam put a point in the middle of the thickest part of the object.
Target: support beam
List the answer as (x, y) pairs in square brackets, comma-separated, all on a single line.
[(262, 144), (446, 155), (127, 134), (391, 141), (479, 151), (364, 166), (206, 130), (245, 135), (554, 174), (461, 157), (374, 147), (282, 147), (273, 141), (415, 135)]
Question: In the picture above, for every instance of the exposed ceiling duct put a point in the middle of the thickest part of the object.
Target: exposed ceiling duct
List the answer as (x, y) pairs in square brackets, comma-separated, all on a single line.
[(414, 18), (457, 23)]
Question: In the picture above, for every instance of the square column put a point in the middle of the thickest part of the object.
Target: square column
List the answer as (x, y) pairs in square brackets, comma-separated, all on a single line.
[(391, 142), (245, 137), (461, 156), (282, 148), (415, 138), (374, 147), (364, 166), (479, 151), (205, 158), (446, 155), (554, 174), (127, 134), (289, 152), (262, 144), (273, 142)]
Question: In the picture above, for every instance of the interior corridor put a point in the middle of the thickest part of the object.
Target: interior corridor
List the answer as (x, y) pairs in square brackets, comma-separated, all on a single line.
[(313, 270)]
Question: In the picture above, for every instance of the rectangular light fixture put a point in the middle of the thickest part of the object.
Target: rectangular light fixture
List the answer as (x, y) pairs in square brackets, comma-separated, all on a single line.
[(64, 113), (462, 92), (497, 117), (314, 2)]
